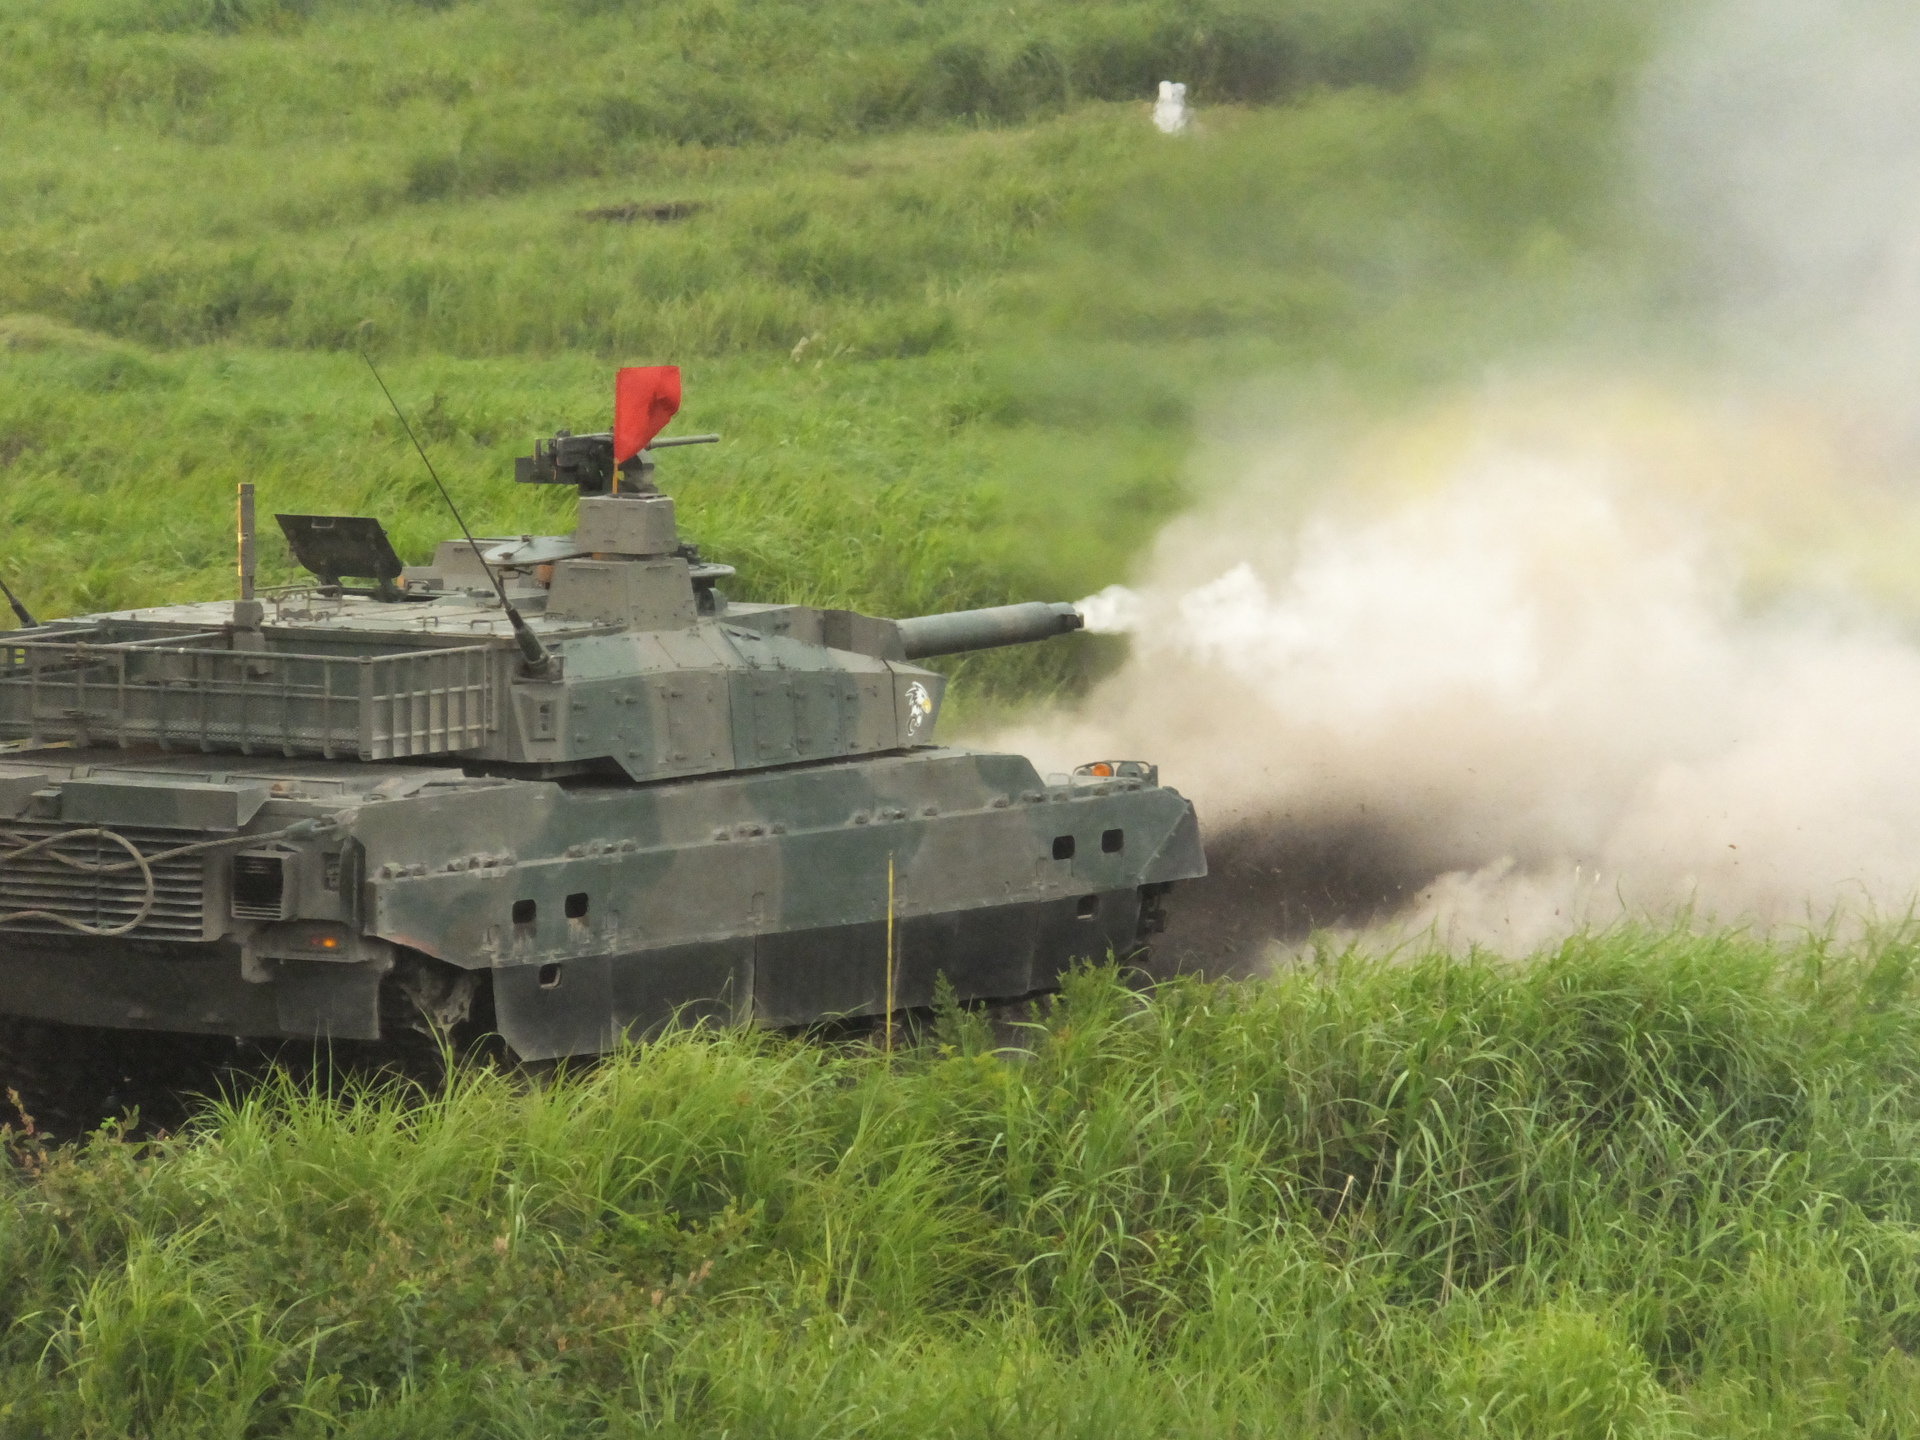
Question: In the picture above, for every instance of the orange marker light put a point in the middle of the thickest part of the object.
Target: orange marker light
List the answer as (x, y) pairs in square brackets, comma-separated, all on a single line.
[(1103, 769), (327, 942)]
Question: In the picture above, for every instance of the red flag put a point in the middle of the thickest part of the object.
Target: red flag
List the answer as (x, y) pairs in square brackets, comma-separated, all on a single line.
[(645, 398)]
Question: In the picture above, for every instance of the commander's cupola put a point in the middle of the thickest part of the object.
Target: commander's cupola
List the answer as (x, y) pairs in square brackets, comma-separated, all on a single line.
[(624, 563)]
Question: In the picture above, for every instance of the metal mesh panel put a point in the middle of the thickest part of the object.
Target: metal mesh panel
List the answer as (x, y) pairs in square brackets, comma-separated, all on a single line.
[(186, 694)]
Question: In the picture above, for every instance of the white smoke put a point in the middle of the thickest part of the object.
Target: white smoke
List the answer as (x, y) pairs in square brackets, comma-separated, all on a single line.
[(1781, 140), (1115, 610), (1536, 690), (1620, 650)]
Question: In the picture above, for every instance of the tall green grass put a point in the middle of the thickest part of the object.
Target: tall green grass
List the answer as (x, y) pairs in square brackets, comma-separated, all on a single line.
[(1647, 1185)]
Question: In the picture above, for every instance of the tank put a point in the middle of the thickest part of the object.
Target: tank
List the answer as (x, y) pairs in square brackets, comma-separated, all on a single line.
[(558, 786)]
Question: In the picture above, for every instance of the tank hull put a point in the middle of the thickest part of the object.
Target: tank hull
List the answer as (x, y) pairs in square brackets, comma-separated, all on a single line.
[(570, 914)]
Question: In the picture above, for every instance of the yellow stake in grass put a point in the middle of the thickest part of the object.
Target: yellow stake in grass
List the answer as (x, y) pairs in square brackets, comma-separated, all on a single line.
[(889, 1024)]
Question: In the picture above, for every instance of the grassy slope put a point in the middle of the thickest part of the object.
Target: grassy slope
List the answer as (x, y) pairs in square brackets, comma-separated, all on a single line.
[(972, 346)]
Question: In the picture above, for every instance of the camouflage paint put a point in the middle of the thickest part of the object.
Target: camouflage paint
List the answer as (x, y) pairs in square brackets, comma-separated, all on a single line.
[(689, 807)]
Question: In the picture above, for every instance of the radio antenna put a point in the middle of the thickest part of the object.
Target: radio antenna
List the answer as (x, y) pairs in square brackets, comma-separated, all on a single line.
[(537, 658), (26, 618)]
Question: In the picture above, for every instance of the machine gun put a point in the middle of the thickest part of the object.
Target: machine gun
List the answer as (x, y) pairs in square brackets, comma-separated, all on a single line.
[(586, 463)]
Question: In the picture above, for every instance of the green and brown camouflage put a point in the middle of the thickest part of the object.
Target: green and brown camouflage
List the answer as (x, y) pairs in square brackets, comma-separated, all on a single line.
[(336, 810)]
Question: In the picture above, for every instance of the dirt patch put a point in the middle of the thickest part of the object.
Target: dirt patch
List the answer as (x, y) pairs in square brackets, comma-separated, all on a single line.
[(658, 213), (1277, 881)]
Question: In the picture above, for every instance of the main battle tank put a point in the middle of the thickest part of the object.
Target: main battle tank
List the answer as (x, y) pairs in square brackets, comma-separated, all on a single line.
[(558, 786)]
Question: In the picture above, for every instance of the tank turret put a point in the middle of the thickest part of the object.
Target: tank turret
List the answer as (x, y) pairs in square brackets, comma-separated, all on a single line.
[(645, 665), (513, 764)]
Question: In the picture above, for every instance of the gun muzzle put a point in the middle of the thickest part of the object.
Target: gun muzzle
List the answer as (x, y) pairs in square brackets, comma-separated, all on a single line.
[(961, 630)]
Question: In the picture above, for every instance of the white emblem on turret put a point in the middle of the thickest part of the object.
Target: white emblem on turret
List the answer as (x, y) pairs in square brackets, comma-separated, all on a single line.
[(919, 708)]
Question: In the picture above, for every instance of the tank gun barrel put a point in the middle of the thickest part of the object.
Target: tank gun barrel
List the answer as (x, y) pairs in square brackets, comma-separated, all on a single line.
[(960, 630)]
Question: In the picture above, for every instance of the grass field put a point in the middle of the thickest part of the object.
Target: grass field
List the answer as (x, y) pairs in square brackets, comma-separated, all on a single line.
[(1651, 1185), (962, 315)]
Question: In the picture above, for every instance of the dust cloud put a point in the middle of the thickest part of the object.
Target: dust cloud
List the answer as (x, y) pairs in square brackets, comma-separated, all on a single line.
[(1590, 644)]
